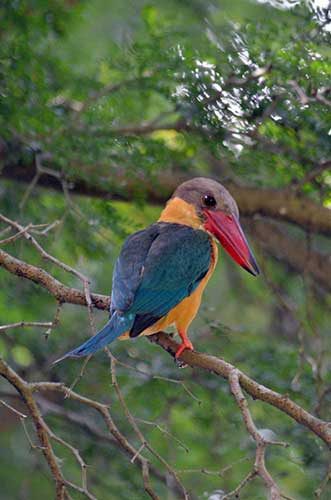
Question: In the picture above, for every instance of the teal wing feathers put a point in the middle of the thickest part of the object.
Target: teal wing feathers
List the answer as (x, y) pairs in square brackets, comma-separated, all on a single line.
[(177, 260)]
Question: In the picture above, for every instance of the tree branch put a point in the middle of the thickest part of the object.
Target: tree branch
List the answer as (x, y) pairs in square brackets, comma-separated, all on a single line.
[(261, 443), (90, 427), (257, 391), (203, 361), (277, 204), (60, 291), (23, 388), (28, 391)]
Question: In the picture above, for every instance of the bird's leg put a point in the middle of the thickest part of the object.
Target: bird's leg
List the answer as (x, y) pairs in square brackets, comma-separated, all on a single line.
[(186, 343)]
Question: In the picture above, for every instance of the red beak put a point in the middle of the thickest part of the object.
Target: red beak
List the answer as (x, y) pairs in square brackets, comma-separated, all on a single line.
[(226, 228)]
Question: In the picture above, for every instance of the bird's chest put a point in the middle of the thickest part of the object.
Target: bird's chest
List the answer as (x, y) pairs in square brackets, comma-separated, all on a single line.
[(184, 313)]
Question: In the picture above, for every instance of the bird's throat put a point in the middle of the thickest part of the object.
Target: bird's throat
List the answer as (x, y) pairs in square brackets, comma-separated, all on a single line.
[(179, 211)]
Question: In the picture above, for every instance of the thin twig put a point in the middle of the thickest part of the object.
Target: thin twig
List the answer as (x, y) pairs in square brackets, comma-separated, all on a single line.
[(13, 238), (104, 411), (18, 413), (261, 443), (327, 478), (137, 430), (23, 324), (163, 431)]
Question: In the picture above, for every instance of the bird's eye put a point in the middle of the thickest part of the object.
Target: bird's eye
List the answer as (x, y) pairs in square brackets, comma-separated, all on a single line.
[(209, 201)]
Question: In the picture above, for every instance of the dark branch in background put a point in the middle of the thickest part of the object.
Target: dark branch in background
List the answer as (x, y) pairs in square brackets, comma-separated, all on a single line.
[(312, 175), (277, 204), (235, 81), (318, 95), (145, 129)]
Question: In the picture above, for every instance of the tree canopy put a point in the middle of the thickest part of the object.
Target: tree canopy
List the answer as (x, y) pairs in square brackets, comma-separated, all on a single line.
[(105, 107)]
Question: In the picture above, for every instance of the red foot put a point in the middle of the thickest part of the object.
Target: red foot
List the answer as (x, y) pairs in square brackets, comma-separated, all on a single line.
[(186, 344)]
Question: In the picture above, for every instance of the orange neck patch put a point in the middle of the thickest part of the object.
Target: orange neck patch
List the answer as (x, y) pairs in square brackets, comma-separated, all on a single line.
[(179, 211)]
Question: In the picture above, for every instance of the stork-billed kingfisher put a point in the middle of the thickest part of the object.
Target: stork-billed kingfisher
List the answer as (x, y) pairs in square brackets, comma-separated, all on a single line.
[(161, 272)]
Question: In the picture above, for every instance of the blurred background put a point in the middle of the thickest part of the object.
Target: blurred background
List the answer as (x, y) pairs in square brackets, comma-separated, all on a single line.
[(105, 107)]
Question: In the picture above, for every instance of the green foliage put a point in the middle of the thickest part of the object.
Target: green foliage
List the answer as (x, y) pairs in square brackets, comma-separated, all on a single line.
[(161, 65), (73, 76)]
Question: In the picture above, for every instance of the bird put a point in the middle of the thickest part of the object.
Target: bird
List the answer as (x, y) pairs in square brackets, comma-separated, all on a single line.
[(162, 270)]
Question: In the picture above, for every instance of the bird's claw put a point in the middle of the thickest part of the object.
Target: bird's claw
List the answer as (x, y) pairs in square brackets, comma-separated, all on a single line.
[(184, 345), (180, 363), (187, 344)]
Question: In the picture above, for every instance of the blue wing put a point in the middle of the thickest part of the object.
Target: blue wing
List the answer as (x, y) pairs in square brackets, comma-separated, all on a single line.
[(129, 267), (148, 283)]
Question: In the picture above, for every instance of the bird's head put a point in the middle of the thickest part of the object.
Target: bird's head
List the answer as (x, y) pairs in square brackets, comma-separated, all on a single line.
[(218, 214)]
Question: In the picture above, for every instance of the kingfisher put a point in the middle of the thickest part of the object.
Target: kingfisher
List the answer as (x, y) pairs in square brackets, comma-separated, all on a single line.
[(161, 272)]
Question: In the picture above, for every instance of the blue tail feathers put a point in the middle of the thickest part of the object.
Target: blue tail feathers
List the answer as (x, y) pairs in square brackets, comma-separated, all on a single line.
[(115, 327)]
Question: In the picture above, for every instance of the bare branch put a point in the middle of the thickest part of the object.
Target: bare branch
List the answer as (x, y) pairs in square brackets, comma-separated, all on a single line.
[(163, 431), (83, 489), (23, 324), (204, 361), (319, 491), (317, 96), (60, 291), (13, 238), (112, 428), (23, 388), (261, 443), (89, 426), (140, 435), (30, 391), (257, 391), (247, 479), (18, 413)]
